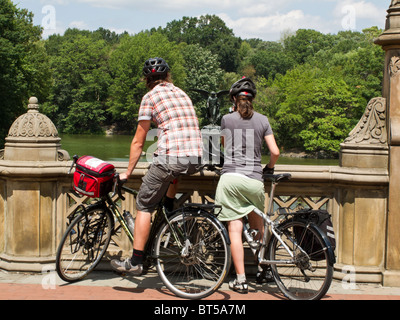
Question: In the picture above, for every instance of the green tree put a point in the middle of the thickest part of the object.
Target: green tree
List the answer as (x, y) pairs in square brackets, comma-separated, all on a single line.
[(315, 110), (23, 63), (126, 65), (329, 116), (358, 61), (210, 32), (267, 101), (306, 43), (203, 72), (270, 59), (81, 79)]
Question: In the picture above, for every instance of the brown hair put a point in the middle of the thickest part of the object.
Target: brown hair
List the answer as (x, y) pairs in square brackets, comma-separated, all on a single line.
[(244, 105), (151, 82)]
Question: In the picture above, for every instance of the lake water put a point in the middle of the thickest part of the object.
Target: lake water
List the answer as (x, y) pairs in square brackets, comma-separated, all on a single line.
[(108, 148), (116, 148)]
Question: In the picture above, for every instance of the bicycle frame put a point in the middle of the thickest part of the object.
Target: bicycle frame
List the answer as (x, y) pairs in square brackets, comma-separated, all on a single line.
[(108, 203), (265, 241), (269, 225), (120, 218), (114, 209)]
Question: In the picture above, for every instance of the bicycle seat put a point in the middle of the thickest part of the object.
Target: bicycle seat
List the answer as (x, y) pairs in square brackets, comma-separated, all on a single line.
[(277, 177)]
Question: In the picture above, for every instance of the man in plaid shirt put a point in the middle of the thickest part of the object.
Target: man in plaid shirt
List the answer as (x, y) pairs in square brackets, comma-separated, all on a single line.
[(179, 151), (178, 127)]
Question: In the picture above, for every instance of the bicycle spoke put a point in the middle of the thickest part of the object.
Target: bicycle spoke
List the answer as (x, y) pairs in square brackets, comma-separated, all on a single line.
[(309, 274), (83, 245), (199, 268)]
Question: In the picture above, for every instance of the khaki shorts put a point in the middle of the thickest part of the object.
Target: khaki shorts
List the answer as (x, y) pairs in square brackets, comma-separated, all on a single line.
[(159, 177)]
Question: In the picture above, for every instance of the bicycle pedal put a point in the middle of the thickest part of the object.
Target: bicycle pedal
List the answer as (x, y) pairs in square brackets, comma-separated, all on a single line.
[(264, 277)]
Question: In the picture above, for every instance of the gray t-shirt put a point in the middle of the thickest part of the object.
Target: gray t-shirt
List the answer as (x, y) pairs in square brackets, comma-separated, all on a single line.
[(243, 143)]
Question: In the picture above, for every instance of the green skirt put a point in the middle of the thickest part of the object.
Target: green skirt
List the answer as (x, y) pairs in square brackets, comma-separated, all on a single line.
[(238, 195)]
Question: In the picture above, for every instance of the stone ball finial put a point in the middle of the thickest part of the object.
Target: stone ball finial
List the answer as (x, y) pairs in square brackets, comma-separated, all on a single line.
[(33, 100), (33, 105)]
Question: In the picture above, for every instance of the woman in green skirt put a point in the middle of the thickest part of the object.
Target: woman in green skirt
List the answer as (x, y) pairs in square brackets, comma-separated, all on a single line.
[(241, 187)]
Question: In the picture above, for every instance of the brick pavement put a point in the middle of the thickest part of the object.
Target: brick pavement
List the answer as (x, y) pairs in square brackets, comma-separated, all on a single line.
[(109, 286), (14, 291)]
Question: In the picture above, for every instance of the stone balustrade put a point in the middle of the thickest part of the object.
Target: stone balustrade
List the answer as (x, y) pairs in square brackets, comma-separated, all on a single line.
[(36, 198)]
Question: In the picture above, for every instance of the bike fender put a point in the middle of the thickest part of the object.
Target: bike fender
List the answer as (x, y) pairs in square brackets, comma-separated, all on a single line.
[(199, 212), (331, 253)]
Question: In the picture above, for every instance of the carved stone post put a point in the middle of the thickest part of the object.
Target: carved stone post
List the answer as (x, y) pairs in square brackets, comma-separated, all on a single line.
[(32, 166), (390, 42), (366, 146), (369, 217)]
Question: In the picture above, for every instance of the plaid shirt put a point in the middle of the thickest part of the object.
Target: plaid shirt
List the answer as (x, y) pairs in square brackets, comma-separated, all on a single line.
[(173, 112)]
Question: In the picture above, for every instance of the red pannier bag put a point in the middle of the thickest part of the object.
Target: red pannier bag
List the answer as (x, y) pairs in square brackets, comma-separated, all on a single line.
[(93, 177)]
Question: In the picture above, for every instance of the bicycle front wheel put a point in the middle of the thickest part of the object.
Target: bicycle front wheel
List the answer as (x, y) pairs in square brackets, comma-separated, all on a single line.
[(193, 254), (307, 275), (84, 244)]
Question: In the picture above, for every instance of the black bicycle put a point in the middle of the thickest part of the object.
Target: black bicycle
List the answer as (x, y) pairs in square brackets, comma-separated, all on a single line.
[(189, 247)]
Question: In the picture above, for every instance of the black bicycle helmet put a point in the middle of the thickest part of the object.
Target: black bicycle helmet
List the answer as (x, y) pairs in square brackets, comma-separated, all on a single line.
[(244, 86), (155, 67)]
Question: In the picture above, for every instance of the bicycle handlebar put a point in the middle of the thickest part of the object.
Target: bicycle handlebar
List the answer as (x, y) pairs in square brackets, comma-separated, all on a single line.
[(74, 160), (118, 186), (277, 177)]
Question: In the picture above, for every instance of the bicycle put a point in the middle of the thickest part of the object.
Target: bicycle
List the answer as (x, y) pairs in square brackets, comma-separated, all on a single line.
[(189, 246), (297, 253)]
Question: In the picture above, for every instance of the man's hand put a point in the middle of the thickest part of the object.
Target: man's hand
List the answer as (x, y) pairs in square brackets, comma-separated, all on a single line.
[(123, 176)]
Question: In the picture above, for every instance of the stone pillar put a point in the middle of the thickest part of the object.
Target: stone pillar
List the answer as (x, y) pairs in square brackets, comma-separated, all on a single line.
[(362, 209), (390, 42), (31, 166), (369, 237)]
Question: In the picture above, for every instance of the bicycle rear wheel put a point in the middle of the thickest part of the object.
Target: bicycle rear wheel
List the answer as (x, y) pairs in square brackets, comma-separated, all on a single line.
[(84, 244), (308, 274), (193, 254)]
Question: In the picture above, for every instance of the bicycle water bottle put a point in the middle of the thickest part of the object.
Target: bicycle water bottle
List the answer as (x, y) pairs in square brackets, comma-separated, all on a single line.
[(129, 220)]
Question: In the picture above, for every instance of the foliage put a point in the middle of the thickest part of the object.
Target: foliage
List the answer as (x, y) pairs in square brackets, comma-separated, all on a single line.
[(306, 43), (80, 82), (271, 59), (23, 69), (315, 104), (203, 72), (126, 64), (316, 110), (313, 87), (209, 32)]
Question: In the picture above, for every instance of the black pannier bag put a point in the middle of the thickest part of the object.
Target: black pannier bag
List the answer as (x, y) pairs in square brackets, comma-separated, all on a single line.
[(322, 219)]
